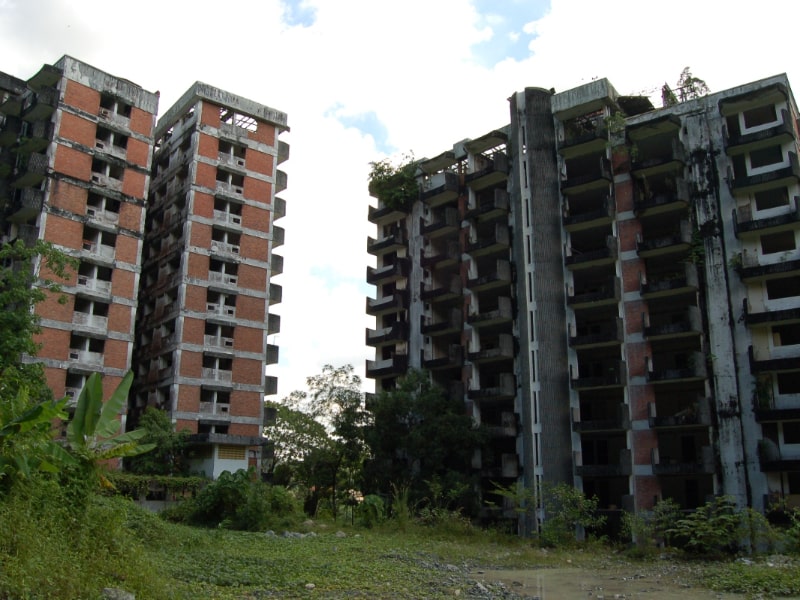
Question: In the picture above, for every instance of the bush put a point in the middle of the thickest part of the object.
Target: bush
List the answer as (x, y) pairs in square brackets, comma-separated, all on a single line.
[(371, 511), (712, 529), (567, 510), (238, 501)]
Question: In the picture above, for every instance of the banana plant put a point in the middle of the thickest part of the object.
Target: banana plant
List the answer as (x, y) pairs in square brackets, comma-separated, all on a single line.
[(93, 433)]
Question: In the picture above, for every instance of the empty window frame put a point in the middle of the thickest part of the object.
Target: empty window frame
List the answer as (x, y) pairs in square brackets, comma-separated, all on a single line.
[(783, 241)]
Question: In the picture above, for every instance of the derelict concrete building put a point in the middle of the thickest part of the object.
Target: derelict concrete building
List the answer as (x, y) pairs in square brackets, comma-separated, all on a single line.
[(613, 290)]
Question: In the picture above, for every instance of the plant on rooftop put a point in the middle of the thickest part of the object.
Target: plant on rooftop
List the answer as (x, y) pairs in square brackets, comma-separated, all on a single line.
[(394, 185)]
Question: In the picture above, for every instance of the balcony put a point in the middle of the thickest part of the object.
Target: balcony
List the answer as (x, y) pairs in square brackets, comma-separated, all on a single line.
[(104, 217), (597, 178), (97, 286), (38, 137), (488, 171), (384, 215), (604, 294), (575, 259), (437, 326), (33, 172), (674, 325), (676, 367), (502, 387), (441, 291), (275, 265), (665, 199), (235, 163), (396, 332), (579, 220), (283, 151), (490, 208), (609, 334), (388, 367), (392, 241), (439, 189), (218, 375), (500, 315), (99, 252), (498, 241), (583, 137), (669, 284), (270, 385), (110, 115), (747, 184), (10, 131), (387, 304), (702, 464), (388, 273), (768, 360), (506, 428), (106, 181), (225, 279), (500, 276), (275, 294), (281, 181), (272, 355), (785, 315), (89, 321), (218, 342), (672, 158), (86, 357), (225, 311), (40, 106), (229, 219), (436, 258), (218, 410), (781, 133), (616, 420), (679, 240), (451, 359), (610, 374), (273, 324), (744, 222), (27, 205), (507, 469), (442, 223), (228, 191), (492, 350), (769, 409), (220, 248), (623, 466), (278, 208), (278, 236), (696, 414), (750, 268)]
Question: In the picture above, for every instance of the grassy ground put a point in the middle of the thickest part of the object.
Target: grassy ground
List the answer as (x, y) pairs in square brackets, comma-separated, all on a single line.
[(120, 545)]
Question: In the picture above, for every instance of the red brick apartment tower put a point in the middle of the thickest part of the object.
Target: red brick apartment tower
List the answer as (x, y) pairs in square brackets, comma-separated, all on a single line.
[(75, 150), (204, 320)]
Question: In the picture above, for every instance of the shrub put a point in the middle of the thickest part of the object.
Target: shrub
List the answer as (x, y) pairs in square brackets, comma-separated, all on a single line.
[(567, 510), (371, 511), (712, 529)]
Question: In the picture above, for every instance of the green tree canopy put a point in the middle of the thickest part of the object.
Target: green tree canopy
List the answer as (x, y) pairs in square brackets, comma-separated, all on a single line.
[(420, 435)]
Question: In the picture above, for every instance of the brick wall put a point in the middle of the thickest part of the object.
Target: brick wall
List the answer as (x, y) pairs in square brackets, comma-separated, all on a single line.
[(82, 97), (73, 163), (77, 129)]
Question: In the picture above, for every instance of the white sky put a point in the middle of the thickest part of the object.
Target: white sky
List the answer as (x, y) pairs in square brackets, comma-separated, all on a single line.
[(360, 79)]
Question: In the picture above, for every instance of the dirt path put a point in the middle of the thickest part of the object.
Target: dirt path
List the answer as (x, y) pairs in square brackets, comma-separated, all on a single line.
[(580, 584)]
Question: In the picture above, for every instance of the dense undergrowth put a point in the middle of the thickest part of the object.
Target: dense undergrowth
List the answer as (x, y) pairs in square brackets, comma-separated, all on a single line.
[(51, 550)]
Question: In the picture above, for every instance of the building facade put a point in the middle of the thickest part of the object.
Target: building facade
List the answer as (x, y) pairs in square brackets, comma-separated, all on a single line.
[(76, 149), (613, 290), (204, 304), (173, 228)]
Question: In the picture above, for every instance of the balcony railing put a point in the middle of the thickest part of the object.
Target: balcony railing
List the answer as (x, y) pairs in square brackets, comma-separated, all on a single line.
[(96, 285), (767, 360), (452, 358), (450, 323), (499, 277), (623, 466), (618, 419), (745, 222), (669, 284), (751, 268), (88, 320), (673, 159), (388, 273), (575, 259), (33, 171), (393, 240), (504, 387), (440, 189), (440, 291), (610, 374), (603, 214), (219, 375), (218, 341), (501, 348), (697, 413), (223, 278), (777, 134), (682, 323), (662, 200), (659, 245), (768, 315), (502, 314), (395, 332), (227, 218), (388, 367), (609, 335), (499, 240), (494, 170), (597, 295), (747, 184), (442, 224), (702, 464), (102, 216), (598, 177), (491, 208), (86, 357), (668, 369)]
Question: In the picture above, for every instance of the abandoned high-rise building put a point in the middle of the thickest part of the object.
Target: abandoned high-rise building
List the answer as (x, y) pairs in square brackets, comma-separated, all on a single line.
[(204, 318), (175, 267), (613, 290), (75, 149)]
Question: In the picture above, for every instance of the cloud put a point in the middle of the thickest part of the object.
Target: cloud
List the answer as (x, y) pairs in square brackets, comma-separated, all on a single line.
[(362, 79)]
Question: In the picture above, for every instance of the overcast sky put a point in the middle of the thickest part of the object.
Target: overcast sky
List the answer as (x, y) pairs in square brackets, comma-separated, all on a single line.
[(365, 79)]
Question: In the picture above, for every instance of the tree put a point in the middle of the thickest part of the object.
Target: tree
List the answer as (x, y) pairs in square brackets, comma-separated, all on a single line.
[(421, 435), (335, 400), (169, 455), (93, 434)]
